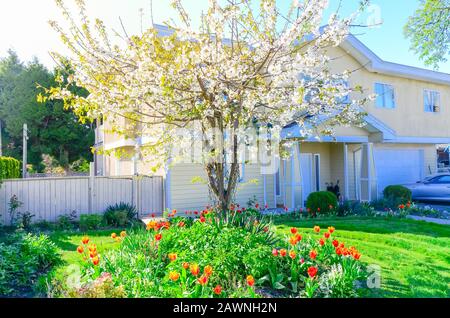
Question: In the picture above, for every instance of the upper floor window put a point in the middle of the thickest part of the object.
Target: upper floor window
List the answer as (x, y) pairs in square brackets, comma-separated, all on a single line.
[(431, 101), (385, 96)]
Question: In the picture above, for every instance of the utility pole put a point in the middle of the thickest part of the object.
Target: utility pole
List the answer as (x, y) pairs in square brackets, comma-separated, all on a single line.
[(24, 152)]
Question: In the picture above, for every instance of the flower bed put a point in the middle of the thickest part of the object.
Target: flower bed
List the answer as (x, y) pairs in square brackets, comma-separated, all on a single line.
[(233, 255)]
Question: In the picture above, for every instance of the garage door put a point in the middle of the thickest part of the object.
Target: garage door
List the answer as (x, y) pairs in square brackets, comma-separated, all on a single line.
[(398, 167)]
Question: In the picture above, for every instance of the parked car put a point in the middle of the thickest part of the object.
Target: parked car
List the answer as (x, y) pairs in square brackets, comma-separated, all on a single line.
[(432, 188)]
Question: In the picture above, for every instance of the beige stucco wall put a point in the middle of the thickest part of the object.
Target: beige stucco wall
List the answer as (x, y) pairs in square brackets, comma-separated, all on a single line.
[(409, 117)]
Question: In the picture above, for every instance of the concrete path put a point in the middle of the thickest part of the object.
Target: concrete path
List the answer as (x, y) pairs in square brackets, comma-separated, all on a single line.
[(427, 219)]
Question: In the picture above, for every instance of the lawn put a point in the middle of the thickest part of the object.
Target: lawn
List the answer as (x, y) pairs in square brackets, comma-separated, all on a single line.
[(414, 256), (68, 243)]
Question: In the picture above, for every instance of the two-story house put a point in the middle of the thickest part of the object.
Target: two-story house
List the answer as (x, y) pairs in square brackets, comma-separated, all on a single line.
[(403, 126)]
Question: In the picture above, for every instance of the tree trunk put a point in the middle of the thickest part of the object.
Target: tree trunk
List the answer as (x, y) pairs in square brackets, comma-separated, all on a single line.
[(216, 168)]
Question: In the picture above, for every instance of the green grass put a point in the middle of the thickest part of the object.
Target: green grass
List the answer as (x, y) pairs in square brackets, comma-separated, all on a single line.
[(414, 256), (69, 241)]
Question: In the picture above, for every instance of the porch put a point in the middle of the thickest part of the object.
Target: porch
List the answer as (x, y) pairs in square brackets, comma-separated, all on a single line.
[(313, 166)]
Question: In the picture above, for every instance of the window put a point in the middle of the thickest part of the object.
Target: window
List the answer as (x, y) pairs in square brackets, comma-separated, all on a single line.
[(345, 99), (441, 180), (277, 182), (317, 171), (431, 101), (241, 172), (385, 96)]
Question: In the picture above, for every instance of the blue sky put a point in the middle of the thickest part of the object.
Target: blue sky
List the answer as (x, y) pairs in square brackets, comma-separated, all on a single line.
[(25, 29)]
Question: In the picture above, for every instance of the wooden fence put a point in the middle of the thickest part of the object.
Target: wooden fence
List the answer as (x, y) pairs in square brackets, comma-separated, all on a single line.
[(48, 198)]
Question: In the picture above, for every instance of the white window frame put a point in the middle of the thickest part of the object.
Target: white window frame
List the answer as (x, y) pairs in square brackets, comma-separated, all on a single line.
[(439, 101), (393, 93)]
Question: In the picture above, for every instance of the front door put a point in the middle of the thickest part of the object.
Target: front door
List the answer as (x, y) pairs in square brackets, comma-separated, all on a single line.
[(306, 170)]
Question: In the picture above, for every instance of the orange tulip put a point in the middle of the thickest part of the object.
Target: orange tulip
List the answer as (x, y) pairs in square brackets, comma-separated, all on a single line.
[(123, 234), (317, 229), (85, 240), (292, 254), (195, 270), (293, 240), (185, 265), (80, 249), (95, 260), (208, 270), (174, 276), (113, 236), (158, 237), (250, 280), (172, 256)]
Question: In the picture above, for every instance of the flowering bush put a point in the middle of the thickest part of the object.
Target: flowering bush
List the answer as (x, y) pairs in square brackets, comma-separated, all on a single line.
[(233, 256), (315, 266)]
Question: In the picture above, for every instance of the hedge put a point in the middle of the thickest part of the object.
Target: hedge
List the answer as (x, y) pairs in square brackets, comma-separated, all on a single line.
[(9, 168), (397, 192)]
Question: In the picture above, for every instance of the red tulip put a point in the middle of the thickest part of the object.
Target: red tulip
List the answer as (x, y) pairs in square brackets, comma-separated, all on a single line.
[(203, 280), (312, 271), (218, 290)]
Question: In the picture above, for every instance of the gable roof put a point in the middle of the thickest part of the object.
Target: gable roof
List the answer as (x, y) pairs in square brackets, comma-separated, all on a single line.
[(375, 64)]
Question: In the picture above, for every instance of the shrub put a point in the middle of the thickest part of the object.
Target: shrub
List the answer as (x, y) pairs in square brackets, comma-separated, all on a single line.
[(13, 205), (66, 221), (322, 202), (24, 220), (23, 261), (90, 222), (119, 214), (9, 168), (397, 192)]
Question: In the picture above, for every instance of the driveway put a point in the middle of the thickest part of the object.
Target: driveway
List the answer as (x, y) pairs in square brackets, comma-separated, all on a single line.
[(440, 206)]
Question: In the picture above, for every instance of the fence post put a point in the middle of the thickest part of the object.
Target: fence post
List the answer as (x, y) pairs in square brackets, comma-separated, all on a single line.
[(91, 186), (137, 194)]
